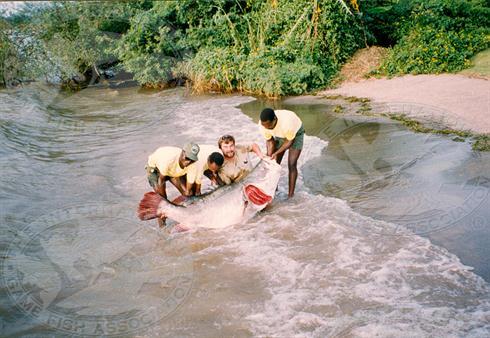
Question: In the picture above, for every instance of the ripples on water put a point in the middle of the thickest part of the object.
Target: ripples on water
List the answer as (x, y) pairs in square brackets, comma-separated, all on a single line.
[(72, 171)]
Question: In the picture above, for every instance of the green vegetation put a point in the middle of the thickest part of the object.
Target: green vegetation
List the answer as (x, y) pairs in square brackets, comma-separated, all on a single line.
[(479, 142), (431, 36), (338, 109), (67, 41), (275, 47), (353, 99), (334, 97), (265, 47), (365, 108), (420, 128), (7, 53)]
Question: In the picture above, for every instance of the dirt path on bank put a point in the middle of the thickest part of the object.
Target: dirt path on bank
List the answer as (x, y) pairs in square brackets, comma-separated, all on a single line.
[(460, 101)]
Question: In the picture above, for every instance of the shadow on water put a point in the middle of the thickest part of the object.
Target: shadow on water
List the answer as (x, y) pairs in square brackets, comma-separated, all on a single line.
[(426, 183)]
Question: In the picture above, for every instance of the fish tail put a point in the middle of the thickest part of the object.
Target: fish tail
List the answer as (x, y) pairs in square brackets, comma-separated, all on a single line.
[(148, 207)]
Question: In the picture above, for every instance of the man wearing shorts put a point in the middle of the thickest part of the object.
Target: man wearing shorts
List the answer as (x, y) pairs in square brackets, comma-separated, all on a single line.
[(283, 130), (172, 164)]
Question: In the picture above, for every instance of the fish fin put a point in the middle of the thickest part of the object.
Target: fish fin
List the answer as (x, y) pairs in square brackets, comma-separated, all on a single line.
[(148, 207), (256, 195), (179, 200)]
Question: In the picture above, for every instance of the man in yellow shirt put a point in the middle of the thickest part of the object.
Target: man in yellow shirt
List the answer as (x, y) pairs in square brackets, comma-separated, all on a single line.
[(172, 164), (283, 130), (208, 164), (237, 160)]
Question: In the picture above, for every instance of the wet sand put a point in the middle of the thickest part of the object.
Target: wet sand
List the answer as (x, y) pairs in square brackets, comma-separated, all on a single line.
[(462, 102)]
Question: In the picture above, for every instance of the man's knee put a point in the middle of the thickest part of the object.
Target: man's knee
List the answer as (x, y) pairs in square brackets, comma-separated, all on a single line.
[(292, 166)]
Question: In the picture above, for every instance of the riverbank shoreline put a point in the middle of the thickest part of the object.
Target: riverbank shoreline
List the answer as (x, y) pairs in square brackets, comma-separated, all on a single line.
[(450, 104), (461, 102)]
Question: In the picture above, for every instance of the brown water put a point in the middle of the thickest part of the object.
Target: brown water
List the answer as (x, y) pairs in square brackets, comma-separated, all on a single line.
[(426, 183), (76, 260)]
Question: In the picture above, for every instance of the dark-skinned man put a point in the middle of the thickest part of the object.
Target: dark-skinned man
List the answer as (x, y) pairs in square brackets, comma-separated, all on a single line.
[(208, 164), (172, 164), (283, 130)]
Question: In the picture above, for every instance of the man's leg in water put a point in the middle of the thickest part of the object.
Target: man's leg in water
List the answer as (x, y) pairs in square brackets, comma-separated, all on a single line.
[(293, 169)]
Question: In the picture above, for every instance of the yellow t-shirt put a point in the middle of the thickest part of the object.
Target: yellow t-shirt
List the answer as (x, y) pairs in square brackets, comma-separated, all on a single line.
[(288, 124), (195, 175), (237, 167), (166, 160)]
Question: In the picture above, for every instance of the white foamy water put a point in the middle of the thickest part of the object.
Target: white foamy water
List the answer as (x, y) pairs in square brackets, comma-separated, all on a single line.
[(306, 267), (317, 268)]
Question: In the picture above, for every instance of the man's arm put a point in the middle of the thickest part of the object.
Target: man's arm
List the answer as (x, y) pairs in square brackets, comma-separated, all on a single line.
[(191, 179), (271, 144), (285, 146), (188, 189), (220, 181), (160, 188), (223, 179), (257, 151), (212, 177)]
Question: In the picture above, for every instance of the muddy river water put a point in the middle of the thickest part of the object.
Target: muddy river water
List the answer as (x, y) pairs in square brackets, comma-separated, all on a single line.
[(387, 234)]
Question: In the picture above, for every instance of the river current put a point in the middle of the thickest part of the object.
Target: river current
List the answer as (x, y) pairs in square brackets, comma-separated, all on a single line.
[(337, 260)]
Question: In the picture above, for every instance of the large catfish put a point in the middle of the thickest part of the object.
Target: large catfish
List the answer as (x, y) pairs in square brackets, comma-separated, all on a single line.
[(224, 206)]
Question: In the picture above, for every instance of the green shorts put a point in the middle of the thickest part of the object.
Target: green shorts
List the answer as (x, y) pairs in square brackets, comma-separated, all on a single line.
[(298, 140), (153, 175)]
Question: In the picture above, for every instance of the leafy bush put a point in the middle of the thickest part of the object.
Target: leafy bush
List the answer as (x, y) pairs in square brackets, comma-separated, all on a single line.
[(261, 73), (275, 49), (21, 57), (264, 46), (147, 48), (7, 52), (63, 40), (269, 47), (436, 36), (428, 50)]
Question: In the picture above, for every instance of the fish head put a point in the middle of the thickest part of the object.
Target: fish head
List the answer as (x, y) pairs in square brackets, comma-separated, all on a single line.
[(260, 187)]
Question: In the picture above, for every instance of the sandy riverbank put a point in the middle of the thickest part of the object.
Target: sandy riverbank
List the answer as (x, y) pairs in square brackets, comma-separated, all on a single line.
[(461, 102)]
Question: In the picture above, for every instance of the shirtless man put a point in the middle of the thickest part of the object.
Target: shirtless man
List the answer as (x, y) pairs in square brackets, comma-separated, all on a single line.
[(237, 160)]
